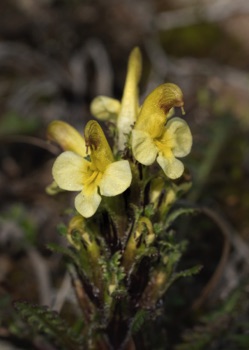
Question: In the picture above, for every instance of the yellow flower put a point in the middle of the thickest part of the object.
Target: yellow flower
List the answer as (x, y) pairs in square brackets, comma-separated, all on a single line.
[(152, 139), (99, 176), (106, 108)]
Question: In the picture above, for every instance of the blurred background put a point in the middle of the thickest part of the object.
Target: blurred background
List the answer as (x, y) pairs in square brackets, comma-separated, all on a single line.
[(55, 57)]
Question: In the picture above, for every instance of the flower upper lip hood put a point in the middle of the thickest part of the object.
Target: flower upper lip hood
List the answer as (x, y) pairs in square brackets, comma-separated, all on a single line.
[(155, 138), (102, 175), (96, 143), (156, 107)]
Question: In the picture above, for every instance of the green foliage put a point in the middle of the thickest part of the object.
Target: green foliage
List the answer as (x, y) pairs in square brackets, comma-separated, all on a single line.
[(113, 276), (113, 267), (138, 320), (66, 252), (218, 134), (212, 330), (62, 229), (175, 214), (11, 123), (50, 324), (200, 39), (19, 215), (186, 273)]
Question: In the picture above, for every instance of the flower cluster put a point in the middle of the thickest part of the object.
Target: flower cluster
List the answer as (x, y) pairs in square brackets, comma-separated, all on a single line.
[(123, 259), (144, 134)]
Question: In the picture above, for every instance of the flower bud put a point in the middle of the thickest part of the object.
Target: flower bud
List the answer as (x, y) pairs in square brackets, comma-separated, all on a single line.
[(105, 108), (76, 225), (67, 137), (129, 104)]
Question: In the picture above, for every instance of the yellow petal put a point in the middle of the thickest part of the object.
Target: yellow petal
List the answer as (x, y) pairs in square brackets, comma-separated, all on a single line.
[(69, 170), (87, 205), (130, 102), (67, 137), (143, 147), (171, 166), (91, 182), (116, 178), (105, 108), (180, 132)]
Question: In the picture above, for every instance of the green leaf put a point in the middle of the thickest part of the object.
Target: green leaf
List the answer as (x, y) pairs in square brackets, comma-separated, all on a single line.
[(211, 330), (50, 324), (64, 251), (176, 213), (138, 320), (62, 229), (186, 273), (12, 123)]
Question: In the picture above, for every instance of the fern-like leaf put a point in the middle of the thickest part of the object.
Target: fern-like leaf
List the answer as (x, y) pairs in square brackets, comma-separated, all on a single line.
[(66, 252), (211, 332), (186, 273), (50, 324), (138, 320), (176, 213)]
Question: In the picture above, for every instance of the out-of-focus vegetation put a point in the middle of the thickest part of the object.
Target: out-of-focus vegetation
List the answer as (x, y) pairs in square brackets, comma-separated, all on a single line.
[(55, 57)]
